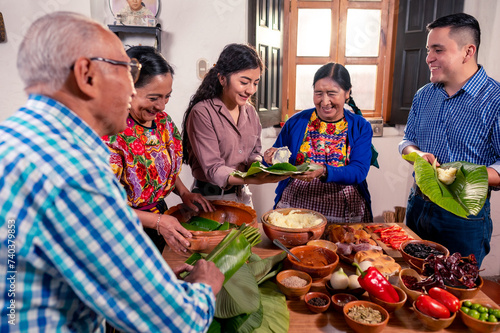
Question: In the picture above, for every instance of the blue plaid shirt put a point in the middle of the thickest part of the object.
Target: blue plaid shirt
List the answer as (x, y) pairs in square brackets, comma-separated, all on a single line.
[(77, 252), (463, 127)]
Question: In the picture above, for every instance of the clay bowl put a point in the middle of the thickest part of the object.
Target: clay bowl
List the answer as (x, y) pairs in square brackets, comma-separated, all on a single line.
[(418, 263), (463, 293), (230, 211), (316, 261), (323, 243), (476, 325), (431, 323), (366, 328), (339, 300), (391, 307), (291, 237), (412, 294), (315, 308), (357, 292), (291, 292)]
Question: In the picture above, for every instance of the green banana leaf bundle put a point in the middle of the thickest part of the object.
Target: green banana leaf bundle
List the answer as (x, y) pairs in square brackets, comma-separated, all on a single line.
[(281, 169), (198, 223), (464, 197)]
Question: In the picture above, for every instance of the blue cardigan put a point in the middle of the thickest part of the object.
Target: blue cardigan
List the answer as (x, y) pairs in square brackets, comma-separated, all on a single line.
[(359, 137)]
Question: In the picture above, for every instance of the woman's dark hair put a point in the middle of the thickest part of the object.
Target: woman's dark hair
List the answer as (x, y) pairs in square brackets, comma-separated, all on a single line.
[(340, 75), (459, 22), (153, 63), (233, 58)]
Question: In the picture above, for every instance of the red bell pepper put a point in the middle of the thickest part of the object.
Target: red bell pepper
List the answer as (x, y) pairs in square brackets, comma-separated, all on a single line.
[(376, 284), (432, 307), (446, 298)]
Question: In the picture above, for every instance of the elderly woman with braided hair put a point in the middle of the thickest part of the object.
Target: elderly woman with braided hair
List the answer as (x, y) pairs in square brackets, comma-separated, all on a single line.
[(337, 139)]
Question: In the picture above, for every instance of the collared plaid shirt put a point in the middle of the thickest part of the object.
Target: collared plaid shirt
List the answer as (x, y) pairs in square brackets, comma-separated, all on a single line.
[(463, 127), (78, 252)]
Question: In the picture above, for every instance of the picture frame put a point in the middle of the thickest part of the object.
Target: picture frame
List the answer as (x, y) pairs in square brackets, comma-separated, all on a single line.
[(135, 12)]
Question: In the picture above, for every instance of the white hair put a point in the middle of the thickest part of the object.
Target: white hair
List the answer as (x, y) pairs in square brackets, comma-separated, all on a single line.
[(51, 46)]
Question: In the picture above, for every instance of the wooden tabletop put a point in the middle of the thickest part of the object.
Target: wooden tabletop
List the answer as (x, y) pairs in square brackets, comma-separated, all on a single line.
[(302, 320)]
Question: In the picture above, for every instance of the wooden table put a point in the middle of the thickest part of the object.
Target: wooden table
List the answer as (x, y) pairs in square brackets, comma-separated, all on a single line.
[(302, 320)]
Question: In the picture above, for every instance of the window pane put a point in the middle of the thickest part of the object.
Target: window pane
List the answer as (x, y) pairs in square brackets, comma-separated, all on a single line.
[(364, 84), (314, 32), (363, 32), (304, 86)]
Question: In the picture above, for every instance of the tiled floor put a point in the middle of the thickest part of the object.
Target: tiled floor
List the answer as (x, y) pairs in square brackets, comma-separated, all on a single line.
[(491, 288)]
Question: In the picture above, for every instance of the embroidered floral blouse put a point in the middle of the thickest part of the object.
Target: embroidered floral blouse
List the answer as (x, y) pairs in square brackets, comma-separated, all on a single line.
[(325, 142), (146, 160)]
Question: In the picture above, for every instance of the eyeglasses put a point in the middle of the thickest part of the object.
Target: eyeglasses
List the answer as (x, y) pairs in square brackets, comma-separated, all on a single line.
[(134, 64)]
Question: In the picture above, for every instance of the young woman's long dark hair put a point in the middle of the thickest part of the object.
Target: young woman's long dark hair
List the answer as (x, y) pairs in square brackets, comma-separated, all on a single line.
[(153, 64), (234, 58)]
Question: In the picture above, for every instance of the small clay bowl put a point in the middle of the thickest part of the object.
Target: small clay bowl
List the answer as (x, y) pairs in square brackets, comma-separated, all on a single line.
[(339, 300), (418, 263), (391, 307), (291, 292), (291, 237), (466, 293), (431, 323), (316, 261), (476, 325), (366, 328), (412, 294), (355, 292), (317, 308)]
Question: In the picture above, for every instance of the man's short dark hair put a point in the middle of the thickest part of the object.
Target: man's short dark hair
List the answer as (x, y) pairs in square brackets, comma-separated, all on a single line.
[(459, 22)]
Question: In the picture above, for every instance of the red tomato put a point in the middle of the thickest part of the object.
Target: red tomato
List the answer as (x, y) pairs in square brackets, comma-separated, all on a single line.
[(432, 307), (446, 298)]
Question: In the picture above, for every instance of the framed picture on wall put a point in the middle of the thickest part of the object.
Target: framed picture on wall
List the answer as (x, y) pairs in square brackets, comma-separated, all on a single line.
[(135, 12)]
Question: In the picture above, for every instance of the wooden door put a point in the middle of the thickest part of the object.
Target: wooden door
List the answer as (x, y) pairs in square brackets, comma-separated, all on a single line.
[(266, 34), (410, 69)]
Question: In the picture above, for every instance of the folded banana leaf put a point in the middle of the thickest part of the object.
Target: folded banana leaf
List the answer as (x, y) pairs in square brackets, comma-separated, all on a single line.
[(198, 223), (281, 169), (464, 197)]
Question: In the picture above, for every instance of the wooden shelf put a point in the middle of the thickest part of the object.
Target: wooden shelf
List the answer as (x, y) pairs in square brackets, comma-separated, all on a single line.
[(133, 29)]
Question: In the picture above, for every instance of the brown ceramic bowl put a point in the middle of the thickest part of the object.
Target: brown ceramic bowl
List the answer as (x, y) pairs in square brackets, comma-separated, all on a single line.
[(323, 243), (291, 237), (476, 325), (316, 261), (230, 211), (431, 323), (464, 293), (291, 292), (317, 308), (418, 263), (339, 300), (366, 328), (391, 307), (357, 292), (412, 294)]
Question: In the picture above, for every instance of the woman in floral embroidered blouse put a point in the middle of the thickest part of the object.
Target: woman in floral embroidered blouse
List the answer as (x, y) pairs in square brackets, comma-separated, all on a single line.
[(335, 138), (147, 156)]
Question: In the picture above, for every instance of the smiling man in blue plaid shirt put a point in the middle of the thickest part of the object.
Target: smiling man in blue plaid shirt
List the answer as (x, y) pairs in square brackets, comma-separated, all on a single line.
[(456, 117), (72, 250)]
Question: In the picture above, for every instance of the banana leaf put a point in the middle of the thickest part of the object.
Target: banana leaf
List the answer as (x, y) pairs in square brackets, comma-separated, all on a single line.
[(464, 197), (198, 223), (262, 269), (239, 295), (276, 315), (282, 169)]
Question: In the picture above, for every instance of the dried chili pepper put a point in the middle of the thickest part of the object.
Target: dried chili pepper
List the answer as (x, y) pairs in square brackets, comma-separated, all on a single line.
[(376, 284)]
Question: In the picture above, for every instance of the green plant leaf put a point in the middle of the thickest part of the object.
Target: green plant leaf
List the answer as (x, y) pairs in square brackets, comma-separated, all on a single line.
[(261, 268), (276, 315), (198, 223), (465, 196), (239, 295), (282, 169)]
